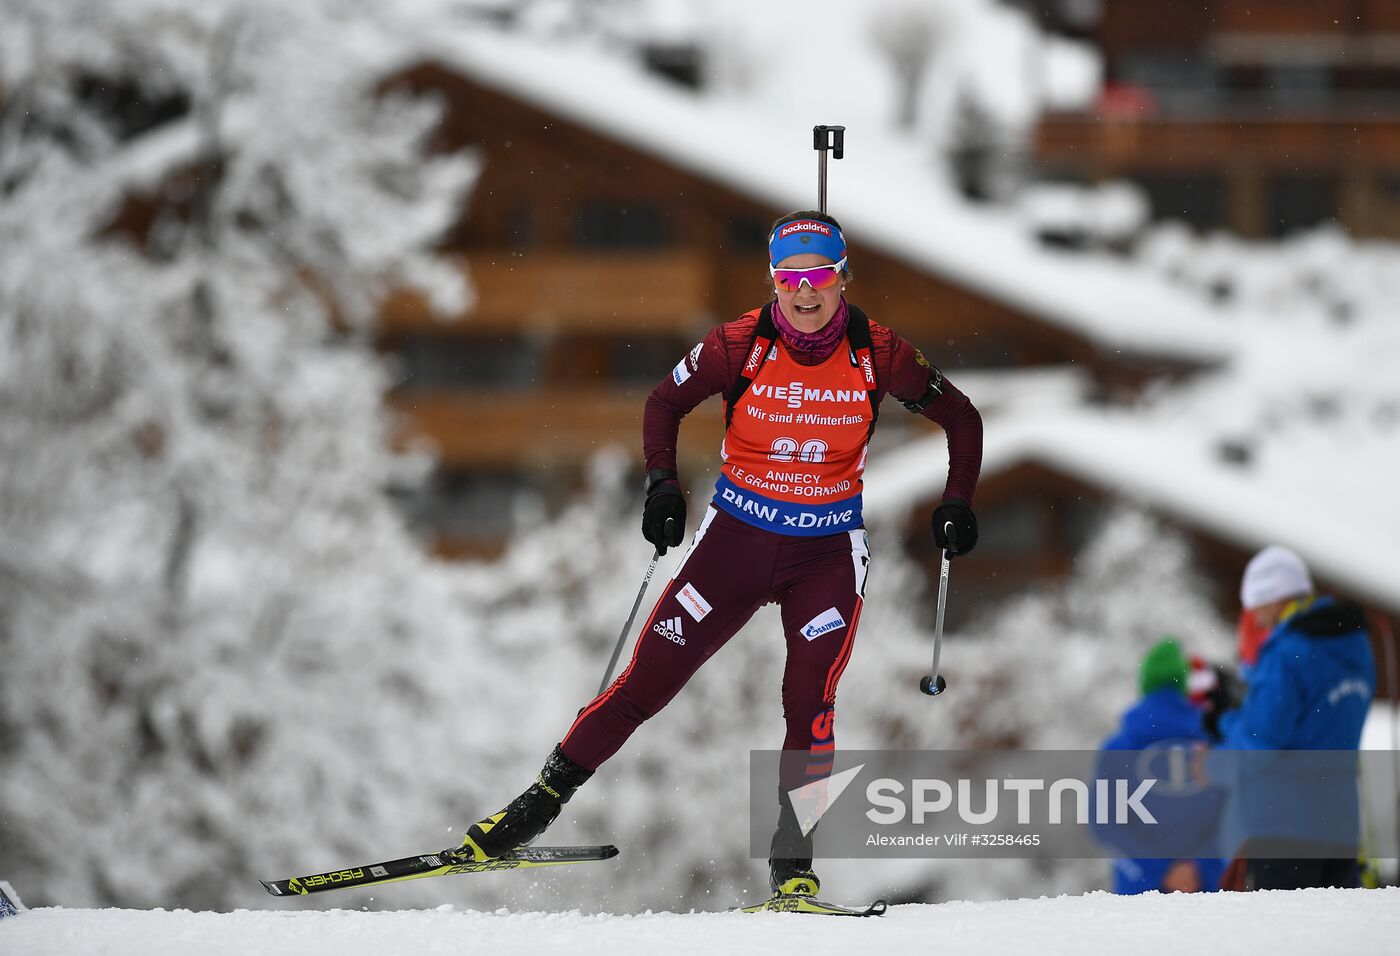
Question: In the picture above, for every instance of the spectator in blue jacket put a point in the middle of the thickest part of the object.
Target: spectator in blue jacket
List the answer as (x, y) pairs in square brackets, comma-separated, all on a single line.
[(1309, 691), (1163, 718)]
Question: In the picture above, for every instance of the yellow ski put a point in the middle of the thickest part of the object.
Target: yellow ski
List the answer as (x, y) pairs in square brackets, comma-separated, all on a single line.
[(436, 864), (788, 903)]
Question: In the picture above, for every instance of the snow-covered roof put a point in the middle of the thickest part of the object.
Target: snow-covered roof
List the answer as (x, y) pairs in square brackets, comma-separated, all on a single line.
[(886, 191)]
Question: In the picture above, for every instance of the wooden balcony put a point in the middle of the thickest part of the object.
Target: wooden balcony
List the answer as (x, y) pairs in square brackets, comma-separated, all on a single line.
[(1141, 144), (1137, 25), (576, 291), (1305, 17), (501, 428)]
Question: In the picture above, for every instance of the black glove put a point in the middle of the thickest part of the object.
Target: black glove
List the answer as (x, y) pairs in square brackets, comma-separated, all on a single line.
[(663, 517), (962, 536)]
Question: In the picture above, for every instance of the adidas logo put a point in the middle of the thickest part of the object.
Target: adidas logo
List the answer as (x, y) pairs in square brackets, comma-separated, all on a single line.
[(671, 630)]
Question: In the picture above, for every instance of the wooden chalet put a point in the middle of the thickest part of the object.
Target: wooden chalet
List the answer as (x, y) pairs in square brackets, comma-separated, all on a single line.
[(1252, 116)]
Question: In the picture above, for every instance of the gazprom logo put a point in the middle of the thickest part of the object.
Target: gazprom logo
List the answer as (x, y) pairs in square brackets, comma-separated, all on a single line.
[(825, 622)]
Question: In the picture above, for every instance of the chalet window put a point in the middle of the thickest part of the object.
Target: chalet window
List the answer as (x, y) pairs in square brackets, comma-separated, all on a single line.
[(644, 361), (746, 234), (1301, 201), (1375, 83), (1245, 81), (977, 351), (1034, 525), (521, 227), (476, 504), (1196, 199), (429, 362), (1298, 86), (1178, 82), (602, 224), (1014, 528), (1389, 184)]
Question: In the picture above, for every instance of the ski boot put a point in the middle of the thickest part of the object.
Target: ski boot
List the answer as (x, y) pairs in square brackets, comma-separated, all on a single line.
[(525, 817), (790, 855), (793, 878)]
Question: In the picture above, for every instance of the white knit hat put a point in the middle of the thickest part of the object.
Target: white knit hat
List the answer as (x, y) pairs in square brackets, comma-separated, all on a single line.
[(1272, 575)]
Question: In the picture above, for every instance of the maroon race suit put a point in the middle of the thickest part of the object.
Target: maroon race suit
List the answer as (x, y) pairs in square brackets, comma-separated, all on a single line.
[(738, 562)]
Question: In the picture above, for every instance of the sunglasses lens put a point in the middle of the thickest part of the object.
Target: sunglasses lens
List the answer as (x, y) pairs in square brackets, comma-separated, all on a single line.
[(822, 277)]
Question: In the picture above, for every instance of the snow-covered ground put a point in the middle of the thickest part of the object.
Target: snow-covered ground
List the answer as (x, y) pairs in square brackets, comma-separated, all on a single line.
[(1278, 923)]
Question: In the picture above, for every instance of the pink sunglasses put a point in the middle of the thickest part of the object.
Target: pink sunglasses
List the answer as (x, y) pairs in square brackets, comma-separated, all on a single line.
[(818, 277)]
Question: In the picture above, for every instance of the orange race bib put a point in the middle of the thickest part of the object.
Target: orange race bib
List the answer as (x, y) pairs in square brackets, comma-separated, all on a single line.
[(795, 447)]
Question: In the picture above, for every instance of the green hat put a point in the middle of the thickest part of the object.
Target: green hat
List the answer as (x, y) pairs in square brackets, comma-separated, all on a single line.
[(1164, 665)]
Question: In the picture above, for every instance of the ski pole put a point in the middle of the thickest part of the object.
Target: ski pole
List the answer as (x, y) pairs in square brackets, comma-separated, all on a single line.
[(622, 638), (825, 138), (933, 683)]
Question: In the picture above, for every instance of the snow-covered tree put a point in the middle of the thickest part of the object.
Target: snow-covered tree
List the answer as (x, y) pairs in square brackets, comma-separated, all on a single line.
[(208, 606)]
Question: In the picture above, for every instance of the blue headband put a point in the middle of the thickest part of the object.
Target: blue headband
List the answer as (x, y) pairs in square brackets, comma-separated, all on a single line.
[(806, 235)]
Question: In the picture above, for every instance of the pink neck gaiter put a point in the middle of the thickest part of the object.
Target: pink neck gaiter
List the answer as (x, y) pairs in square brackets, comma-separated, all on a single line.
[(820, 344)]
